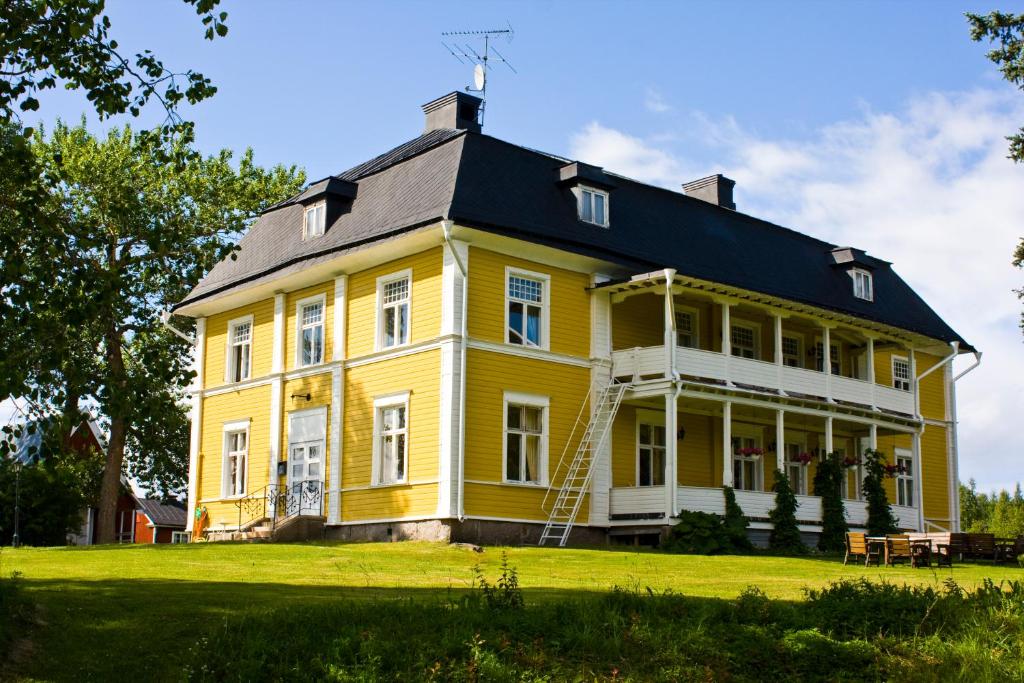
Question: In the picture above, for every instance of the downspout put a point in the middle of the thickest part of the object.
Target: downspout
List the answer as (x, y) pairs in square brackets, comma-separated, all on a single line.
[(919, 484), (446, 229), (955, 442), (917, 382)]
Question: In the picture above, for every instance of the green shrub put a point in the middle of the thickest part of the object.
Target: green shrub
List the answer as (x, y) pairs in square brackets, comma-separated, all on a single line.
[(881, 521), (828, 484), (698, 533), (785, 534), (735, 522)]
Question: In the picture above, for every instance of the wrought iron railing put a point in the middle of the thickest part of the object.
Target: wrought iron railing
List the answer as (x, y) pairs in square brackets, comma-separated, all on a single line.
[(278, 503)]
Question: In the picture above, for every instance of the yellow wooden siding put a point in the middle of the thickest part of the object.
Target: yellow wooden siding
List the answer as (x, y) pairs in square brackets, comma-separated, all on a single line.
[(935, 473), (624, 447), (248, 404), (291, 323), (262, 340), (419, 374), (569, 306), (488, 376), (425, 309), (638, 321), (933, 387), (696, 455)]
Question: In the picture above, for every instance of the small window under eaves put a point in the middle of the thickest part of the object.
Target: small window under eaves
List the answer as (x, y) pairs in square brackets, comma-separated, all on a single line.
[(592, 205), (863, 284), (315, 218)]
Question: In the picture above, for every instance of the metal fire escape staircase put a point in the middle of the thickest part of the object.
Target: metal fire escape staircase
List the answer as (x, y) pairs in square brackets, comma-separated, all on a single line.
[(576, 472)]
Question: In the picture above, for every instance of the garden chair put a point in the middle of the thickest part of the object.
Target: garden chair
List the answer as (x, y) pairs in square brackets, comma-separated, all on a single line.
[(857, 546), (981, 546), (920, 553), (897, 549)]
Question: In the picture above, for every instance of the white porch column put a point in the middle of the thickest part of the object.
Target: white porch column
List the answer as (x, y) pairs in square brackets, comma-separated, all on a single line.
[(195, 443), (671, 452), (453, 348), (780, 440), (871, 372), (600, 376), (779, 367), (727, 479), (828, 435), (337, 396), (277, 367), (826, 365), (912, 360), (918, 478), (670, 326), (873, 437), (727, 341)]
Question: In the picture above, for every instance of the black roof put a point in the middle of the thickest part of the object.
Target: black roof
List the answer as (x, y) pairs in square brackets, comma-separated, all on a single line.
[(479, 181), (169, 513)]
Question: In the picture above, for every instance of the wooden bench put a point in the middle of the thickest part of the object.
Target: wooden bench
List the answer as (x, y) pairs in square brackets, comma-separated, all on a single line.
[(857, 547), (897, 549)]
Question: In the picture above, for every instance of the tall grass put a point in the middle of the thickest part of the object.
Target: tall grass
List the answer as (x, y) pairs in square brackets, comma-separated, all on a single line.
[(849, 631)]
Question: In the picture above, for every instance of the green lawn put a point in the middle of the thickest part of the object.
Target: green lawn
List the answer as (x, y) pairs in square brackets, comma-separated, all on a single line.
[(97, 602)]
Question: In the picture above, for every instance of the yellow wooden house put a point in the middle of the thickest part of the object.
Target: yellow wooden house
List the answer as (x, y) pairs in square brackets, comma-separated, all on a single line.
[(466, 339)]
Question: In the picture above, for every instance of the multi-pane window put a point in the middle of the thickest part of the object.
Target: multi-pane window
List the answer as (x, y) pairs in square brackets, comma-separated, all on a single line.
[(746, 464), (311, 333), (905, 480), (796, 470), (901, 373), (791, 352), (686, 329), (525, 310), (524, 437), (239, 350), (236, 461), (744, 341), (315, 219), (819, 354), (651, 455), (394, 311), (863, 287), (392, 443), (593, 206)]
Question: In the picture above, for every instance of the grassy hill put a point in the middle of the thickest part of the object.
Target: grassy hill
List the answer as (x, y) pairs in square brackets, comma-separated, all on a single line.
[(145, 612)]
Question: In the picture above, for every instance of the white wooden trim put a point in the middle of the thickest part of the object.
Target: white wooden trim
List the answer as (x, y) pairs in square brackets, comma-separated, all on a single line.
[(276, 410), (577, 190), (393, 352), (381, 281), (228, 346), (335, 436), (528, 352), (533, 401), (453, 350), (338, 350), (322, 300), (242, 425), (195, 441), (545, 307), (277, 352), (386, 401)]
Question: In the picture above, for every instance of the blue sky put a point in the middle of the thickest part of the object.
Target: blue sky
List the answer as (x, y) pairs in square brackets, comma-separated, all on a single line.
[(876, 124)]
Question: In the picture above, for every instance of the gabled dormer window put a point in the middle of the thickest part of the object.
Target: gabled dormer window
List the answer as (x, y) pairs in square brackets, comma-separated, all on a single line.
[(863, 286), (593, 206), (315, 219)]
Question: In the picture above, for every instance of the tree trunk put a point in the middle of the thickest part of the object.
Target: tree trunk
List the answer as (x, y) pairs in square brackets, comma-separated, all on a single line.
[(110, 487)]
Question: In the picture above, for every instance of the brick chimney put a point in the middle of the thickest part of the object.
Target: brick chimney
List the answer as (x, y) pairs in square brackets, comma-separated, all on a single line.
[(457, 110), (715, 189)]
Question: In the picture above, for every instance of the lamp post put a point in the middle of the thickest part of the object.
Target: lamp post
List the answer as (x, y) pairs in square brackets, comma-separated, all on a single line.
[(17, 501)]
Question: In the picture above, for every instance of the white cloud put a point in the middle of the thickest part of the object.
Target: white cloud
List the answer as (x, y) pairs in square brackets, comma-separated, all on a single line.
[(928, 187), (655, 102)]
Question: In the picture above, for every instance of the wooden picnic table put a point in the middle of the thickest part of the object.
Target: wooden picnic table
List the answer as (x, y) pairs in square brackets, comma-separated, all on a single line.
[(882, 546)]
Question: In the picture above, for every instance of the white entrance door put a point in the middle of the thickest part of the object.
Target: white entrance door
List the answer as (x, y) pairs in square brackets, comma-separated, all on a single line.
[(307, 432)]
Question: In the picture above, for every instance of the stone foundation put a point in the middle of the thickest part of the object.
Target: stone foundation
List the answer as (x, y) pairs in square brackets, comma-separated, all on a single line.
[(476, 531)]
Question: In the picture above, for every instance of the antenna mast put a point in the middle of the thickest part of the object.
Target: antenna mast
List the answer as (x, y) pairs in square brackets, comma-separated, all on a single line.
[(467, 55)]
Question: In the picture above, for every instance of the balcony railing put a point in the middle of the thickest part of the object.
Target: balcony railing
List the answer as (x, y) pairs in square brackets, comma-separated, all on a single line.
[(637, 502), (652, 363)]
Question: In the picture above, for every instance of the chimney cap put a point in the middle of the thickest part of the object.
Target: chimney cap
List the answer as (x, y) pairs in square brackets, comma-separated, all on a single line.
[(456, 110)]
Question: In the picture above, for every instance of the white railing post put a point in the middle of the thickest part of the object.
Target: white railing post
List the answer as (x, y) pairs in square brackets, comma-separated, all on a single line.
[(918, 479), (671, 453), (780, 439), (871, 373), (826, 363), (778, 351), (670, 326), (727, 341), (828, 435)]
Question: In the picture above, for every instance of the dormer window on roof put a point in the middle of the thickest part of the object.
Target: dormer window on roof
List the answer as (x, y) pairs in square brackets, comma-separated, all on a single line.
[(863, 285), (315, 220), (593, 206)]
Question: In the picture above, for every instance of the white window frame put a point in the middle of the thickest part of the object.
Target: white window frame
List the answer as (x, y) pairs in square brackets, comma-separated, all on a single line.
[(299, 328), (863, 284), (799, 357), (905, 482), (581, 198), (532, 401), (898, 383), (229, 356), (545, 306), (695, 326), (653, 419), (754, 328), (177, 536), (227, 430), (740, 431), (379, 404), (819, 361), (802, 486), (381, 282), (319, 213)]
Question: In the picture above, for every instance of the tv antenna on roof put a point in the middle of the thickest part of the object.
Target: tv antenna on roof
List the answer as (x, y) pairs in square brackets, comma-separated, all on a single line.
[(465, 54)]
